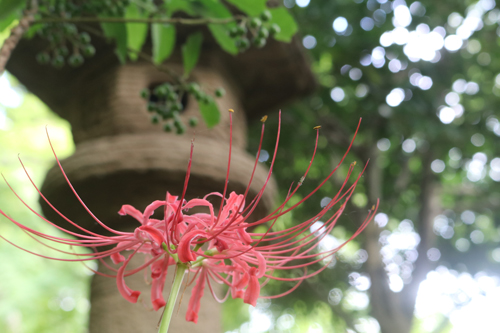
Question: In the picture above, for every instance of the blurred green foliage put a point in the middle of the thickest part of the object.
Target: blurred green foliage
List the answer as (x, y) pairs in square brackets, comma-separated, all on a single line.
[(36, 294)]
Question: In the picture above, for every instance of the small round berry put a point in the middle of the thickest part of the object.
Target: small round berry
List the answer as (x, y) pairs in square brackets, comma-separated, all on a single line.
[(180, 128), (63, 50), (263, 32), (43, 58), (198, 95), (241, 30), (242, 43), (165, 113), (177, 106), (259, 42), (169, 87), (88, 50), (266, 16), (152, 107), (255, 22), (193, 121), (193, 87), (58, 61), (233, 32), (75, 60), (220, 92), (274, 29), (167, 127), (85, 38), (70, 29), (161, 91), (172, 96), (145, 93)]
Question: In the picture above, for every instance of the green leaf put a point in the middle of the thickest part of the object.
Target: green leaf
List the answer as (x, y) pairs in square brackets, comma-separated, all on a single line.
[(7, 7), (288, 25), (136, 32), (191, 52), (31, 31), (219, 31), (210, 112), (220, 34), (163, 36), (118, 32), (250, 7), (6, 22)]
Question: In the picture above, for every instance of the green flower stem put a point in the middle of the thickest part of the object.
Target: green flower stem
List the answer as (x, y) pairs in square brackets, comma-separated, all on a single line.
[(172, 298)]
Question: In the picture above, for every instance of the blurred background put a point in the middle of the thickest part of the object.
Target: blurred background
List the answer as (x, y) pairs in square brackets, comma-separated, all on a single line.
[(424, 78)]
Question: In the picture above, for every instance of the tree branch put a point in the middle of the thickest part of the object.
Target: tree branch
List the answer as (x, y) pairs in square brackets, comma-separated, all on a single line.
[(173, 20), (385, 304), (17, 33), (429, 207)]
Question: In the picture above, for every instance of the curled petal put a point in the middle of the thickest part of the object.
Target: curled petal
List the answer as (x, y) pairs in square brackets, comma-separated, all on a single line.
[(237, 293), (131, 211), (150, 209), (154, 234), (262, 264), (196, 295), (117, 258), (161, 269), (242, 281), (127, 293), (184, 250), (156, 269), (244, 236), (253, 290), (158, 303), (201, 203)]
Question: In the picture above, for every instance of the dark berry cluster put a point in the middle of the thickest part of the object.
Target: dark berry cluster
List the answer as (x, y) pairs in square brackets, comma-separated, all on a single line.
[(66, 45), (254, 31), (167, 101)]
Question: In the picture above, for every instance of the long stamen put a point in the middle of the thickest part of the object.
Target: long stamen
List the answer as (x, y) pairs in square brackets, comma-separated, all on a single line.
[(186, 181), (76, 194), (231, 111)]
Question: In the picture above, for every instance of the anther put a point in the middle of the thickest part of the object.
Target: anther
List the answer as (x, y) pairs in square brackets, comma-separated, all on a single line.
[(263, 119), (317, 127), (231, 110)]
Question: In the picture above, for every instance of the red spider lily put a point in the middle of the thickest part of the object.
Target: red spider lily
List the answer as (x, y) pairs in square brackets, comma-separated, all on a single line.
[(214, 246)]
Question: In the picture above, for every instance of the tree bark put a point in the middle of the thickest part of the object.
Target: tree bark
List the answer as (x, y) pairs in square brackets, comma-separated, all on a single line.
[(395, 311)]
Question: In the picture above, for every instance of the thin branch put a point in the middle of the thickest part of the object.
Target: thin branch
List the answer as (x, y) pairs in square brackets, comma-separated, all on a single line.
[(17, 33), (173, 20)]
